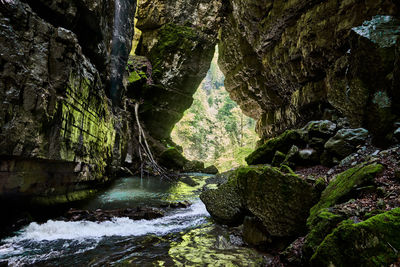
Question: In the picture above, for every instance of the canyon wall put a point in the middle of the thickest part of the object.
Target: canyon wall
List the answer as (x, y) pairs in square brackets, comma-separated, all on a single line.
[(59, 134), (287, 62)]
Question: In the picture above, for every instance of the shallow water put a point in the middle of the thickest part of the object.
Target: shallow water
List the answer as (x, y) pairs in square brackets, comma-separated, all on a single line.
[(184, 236)]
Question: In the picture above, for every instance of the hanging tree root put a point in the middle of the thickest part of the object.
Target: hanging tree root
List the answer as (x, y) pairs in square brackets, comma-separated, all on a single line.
[(145, 154)]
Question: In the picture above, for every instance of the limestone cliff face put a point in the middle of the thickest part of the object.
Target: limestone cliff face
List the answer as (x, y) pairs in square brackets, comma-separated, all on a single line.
[(179, 38), (288, 61), (58, 131)]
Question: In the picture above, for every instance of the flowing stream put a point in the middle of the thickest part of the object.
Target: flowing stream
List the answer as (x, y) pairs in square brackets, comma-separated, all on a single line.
[(183, 237)]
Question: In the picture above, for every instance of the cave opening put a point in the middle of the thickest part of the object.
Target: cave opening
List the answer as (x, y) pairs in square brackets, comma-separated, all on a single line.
[(214, 129)]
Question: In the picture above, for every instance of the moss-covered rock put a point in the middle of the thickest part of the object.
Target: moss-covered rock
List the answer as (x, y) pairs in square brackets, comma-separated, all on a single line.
[(321, 225), (374, 242), (210, 170), (342, 185), (279, 200), (171, 158), (194, 166), (224, 204), (278, 159), (265, 153)]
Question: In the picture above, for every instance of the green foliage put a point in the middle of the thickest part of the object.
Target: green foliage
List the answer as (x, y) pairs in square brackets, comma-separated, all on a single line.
[(214, 129)]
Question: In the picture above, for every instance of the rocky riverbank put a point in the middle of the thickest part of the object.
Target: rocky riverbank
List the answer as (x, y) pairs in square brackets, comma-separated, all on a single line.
[(321, 195)]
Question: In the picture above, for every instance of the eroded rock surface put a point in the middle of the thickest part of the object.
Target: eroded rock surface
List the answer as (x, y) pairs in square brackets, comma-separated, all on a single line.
[(285, 62)]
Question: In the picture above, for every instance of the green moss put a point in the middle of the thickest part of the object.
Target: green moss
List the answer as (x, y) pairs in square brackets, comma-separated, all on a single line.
[(171, 38), (343, 184), (286, 169), (133, 77), (279, 157), (374, 242), (265, 153), (321, 225)]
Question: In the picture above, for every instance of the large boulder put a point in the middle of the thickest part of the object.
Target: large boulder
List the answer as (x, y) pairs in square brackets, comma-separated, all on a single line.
[(225, 204), (279, 200), (373, 242)]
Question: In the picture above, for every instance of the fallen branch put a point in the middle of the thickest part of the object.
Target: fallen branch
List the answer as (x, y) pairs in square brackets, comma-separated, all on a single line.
[(144, 149)]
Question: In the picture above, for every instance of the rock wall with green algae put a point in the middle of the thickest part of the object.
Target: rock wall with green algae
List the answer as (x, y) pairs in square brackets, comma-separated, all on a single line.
[(55, 111)]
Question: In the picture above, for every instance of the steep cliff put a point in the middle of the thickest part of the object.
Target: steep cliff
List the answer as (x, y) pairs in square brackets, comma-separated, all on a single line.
[(179, 38), (59, 133), (287, 62)]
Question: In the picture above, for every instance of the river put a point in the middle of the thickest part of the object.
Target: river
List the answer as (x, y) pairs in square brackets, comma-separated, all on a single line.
[(183, 237)]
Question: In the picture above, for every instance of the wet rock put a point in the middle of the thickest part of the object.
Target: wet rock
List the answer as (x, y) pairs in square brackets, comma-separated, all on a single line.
[(345, 141), (193, 166), (279, 200), (224, 204), (210, 170), (369, 243), (106, 215), (189, 181)]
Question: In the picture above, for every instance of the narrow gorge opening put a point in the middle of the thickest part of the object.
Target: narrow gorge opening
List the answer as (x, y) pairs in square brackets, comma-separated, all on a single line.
[(214, 130)]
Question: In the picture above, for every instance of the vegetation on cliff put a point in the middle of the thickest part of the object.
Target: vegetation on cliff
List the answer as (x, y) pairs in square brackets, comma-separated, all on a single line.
[(213, 129)]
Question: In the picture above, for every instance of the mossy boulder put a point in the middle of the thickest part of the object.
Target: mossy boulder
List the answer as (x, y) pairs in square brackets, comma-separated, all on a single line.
[(343, 184), (279, 200), (321, 225), (194, 166), (171, 158), (210, 170), (374, 242), (265, 153), (319, 129), (224, 204)]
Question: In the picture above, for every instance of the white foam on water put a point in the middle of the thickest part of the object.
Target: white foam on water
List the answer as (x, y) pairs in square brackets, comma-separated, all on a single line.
[(54, 230)]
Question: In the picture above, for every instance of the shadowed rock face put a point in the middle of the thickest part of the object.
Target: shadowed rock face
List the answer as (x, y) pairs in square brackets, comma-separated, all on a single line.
[(54, 105), (285, 62), (179, 38)]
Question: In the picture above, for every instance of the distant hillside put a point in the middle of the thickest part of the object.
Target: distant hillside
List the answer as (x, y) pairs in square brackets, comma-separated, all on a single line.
[(214, 129)]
